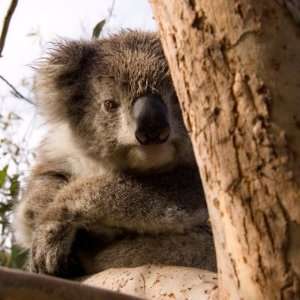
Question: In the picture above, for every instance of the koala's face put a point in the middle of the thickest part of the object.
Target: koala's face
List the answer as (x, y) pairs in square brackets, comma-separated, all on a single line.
[(116, 94)]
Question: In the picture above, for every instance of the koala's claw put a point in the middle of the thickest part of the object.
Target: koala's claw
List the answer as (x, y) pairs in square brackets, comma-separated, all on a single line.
[(50, 251)]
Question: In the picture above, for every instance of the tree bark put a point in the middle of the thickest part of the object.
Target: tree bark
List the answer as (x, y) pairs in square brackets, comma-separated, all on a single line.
[(147, 282), (158, 282), (236, 68), (17, 285)]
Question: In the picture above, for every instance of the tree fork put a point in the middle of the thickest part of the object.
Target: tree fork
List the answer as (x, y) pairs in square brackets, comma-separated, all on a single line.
[(236, 69)]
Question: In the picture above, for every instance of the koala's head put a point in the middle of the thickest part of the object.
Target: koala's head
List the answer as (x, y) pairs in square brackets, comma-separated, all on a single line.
[(117, 97)]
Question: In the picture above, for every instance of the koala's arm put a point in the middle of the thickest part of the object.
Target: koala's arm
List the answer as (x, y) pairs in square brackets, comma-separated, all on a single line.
[(124, 203), (107, 205)]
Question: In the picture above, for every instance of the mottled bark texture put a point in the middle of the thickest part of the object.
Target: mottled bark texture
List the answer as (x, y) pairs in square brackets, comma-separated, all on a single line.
[(158, 282), (236, 69)]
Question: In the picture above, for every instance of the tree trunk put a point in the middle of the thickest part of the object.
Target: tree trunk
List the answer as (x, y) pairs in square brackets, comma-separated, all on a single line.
[(236, 69)]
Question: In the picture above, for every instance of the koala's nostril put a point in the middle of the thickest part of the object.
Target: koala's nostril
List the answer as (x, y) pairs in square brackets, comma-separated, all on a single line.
[(149, 136), (141, 137), (164, 134)]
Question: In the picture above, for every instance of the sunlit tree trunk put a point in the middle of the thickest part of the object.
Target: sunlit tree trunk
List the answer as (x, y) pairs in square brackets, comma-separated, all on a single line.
[(236, 69)]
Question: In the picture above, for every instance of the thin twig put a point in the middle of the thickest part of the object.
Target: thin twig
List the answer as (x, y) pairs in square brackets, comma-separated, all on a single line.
[(15, 91), (6, 22), (110, 11)]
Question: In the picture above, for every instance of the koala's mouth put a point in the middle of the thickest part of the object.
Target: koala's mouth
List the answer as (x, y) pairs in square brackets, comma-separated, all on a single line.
[(151, 157)]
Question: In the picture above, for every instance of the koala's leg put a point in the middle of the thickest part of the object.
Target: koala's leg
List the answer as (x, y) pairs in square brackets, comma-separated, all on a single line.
[(98, 204)]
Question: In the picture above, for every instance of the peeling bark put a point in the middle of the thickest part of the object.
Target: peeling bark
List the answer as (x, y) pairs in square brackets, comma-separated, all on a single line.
[(235, 65)]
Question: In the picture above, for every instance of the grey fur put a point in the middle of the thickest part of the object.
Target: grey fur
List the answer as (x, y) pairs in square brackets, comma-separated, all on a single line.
[(96, 199)]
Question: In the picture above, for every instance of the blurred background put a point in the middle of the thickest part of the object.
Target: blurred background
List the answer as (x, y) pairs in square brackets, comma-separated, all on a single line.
[(33, 26)]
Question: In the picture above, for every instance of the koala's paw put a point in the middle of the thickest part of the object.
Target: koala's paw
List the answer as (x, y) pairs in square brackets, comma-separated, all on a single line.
[(51, 250)]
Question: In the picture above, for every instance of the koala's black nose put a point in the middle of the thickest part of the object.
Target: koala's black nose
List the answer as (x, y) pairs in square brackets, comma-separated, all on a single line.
[(151, 116)]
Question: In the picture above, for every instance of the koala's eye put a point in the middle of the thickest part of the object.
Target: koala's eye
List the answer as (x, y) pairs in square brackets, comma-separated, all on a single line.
[(110, 105)]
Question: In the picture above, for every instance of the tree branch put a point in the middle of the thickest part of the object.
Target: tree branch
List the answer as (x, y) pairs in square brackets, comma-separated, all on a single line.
[(26, 286), (7, 20), (16, 92)]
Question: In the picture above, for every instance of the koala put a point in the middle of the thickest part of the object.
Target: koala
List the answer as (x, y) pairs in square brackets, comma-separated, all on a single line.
[(115, 183)]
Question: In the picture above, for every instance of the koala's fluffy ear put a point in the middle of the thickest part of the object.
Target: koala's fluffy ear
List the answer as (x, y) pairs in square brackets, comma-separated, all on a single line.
[(62, 77)]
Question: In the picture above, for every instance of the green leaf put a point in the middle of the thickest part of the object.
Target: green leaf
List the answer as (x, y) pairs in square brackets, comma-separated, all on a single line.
[(14, 185), (98, 29), (4, 258), (3, 175), (4, 224), (5, 207), (18, 257)]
